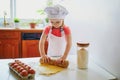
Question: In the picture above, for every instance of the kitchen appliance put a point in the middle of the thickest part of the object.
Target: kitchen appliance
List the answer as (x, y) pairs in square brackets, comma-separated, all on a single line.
[(31, 36)]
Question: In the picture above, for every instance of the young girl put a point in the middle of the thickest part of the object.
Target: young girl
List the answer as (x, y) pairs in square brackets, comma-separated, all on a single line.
[(57, 34)]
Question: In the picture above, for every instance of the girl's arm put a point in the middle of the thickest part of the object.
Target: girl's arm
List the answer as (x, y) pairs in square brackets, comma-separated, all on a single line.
[(41, 44), (42, 47), (68, 46)]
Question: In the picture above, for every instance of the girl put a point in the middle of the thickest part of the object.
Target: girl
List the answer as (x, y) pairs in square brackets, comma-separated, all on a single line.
[(57, 34)]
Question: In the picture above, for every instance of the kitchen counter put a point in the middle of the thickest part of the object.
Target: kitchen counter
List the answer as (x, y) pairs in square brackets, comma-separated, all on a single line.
[(93, 72), (22, 29)]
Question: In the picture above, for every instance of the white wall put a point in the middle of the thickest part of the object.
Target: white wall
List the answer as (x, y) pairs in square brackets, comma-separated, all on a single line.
[(97, 22)]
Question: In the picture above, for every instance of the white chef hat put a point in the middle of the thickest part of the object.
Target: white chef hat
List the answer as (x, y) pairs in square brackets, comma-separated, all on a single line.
[(56, 12)]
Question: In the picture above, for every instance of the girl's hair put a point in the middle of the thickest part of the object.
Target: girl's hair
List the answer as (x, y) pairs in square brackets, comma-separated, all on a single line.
[(61, 27), (62, 24)]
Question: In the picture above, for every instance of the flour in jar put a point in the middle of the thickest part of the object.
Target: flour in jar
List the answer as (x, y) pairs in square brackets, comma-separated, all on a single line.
[(82, 58)]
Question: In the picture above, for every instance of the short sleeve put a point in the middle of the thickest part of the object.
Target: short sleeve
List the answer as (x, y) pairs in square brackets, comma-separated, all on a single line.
[(67, 30), (46, 30)]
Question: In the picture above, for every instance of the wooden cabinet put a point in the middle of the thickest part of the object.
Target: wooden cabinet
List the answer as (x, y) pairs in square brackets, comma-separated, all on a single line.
[(30, 48), (9, 44), (30, 44), (13, 46)]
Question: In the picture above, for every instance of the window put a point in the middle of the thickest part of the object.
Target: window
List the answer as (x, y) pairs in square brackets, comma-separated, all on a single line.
[(24, 9), (4, 10), (4, 7), (27, 9)]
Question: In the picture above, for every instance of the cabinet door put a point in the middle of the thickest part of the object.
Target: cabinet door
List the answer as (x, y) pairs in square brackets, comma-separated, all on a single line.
[(30, 48), (9, 49)]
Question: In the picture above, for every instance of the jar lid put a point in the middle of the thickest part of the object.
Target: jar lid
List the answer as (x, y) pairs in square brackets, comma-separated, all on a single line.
[(82, 44)]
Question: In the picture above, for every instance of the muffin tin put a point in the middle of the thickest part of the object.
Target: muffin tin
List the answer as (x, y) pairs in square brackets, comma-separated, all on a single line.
[(24, 71)]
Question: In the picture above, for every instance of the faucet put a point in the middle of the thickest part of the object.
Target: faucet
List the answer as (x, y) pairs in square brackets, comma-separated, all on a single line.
[(5, 22)]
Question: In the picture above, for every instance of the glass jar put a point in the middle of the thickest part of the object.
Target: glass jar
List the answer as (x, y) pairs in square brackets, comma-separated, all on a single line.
[(82, 55)]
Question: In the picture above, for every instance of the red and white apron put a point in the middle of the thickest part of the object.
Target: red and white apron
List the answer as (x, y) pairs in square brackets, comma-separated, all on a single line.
[(56, 46)]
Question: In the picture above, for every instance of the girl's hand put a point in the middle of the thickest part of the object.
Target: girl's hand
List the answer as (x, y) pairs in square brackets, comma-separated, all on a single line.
[(60, 60), (45, 58)]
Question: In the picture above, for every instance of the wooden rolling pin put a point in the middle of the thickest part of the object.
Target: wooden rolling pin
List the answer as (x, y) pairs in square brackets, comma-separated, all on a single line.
[(53, 62)]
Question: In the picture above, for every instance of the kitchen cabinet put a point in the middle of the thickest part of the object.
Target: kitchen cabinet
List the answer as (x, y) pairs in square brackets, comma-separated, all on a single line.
[(30, 48), (30, 44), (12, 44), (9, 44)]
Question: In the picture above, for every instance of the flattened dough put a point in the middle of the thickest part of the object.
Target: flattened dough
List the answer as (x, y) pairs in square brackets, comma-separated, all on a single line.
[(46, 69)]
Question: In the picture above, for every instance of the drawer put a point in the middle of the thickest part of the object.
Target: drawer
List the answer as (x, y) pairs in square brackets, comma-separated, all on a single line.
[(9, 34)]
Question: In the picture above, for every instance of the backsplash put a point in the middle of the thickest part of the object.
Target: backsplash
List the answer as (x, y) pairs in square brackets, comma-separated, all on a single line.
[(23, 22)]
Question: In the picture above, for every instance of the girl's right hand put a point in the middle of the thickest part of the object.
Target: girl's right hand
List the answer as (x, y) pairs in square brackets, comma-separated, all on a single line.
[(45, 58)]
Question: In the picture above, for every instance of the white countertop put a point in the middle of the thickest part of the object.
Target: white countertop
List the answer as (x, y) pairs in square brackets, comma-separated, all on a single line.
[(93, 72), (21, 28)]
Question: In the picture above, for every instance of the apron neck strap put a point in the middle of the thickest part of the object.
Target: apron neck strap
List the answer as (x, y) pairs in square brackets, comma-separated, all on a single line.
[(61, 29)]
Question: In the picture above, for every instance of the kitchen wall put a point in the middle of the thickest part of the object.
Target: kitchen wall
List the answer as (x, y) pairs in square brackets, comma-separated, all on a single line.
[(97, 22)]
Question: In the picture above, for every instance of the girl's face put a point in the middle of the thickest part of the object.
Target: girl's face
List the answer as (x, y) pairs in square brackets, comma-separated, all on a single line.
[(56, 22)]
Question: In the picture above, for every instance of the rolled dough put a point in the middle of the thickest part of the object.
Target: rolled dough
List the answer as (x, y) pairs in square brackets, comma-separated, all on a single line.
[(46, 69)]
